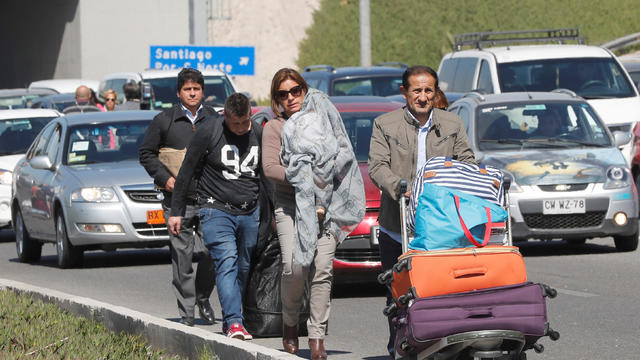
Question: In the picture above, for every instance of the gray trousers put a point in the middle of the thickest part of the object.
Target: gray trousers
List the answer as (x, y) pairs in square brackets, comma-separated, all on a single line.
[(188, 285), (294, 276)]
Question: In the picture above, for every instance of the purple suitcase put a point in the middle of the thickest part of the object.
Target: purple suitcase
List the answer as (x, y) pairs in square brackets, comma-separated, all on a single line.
[(519, 307)]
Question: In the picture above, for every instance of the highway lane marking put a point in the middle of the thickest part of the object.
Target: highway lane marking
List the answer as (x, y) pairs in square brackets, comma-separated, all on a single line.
[(576, 293)]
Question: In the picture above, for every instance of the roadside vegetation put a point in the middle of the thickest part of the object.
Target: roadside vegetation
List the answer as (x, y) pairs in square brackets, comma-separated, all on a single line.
[(421, 32), (31, 329)]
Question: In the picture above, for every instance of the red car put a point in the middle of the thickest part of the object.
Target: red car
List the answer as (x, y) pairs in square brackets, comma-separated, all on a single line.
[(358, 257)]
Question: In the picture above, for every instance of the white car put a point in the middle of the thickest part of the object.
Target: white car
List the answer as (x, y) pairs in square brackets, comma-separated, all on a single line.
[(18, 128), (217, 86), (591, 72), (64, 86)]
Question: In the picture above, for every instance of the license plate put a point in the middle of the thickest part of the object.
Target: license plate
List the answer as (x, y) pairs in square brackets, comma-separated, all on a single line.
[(375, 231), (563, 206), (155, 217)]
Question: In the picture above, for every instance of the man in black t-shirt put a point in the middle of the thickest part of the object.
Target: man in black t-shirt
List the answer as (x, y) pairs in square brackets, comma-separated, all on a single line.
[(227, 193)]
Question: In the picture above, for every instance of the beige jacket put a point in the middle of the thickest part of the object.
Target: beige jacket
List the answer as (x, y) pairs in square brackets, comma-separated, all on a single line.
[(393, 154)]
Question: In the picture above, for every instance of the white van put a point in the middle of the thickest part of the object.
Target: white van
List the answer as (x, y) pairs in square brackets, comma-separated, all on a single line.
[(592, 72), (217, 86)]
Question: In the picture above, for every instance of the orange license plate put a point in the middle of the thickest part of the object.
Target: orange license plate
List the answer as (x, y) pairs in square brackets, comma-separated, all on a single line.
[(155, 217)]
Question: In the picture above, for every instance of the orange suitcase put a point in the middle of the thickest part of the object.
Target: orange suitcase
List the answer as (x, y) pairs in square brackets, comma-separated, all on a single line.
[(420, 274)]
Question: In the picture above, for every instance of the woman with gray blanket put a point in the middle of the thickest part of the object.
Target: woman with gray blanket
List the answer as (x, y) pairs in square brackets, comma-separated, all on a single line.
[(307, 154)]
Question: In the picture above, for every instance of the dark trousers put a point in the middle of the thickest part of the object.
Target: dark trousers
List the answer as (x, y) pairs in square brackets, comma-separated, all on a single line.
[(390, 250), (188, 285)]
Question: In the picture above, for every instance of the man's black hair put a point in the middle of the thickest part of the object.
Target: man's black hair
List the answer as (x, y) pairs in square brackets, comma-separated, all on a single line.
[(417, 70), (190, 74), (237, 105), (131, 90)]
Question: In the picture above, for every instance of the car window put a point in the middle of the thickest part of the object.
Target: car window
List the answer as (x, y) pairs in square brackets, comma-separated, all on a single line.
[(485, 84), (359, 126), (539, 124), (465, 115), (446, 73), (588, 77), (51, 149), (115, 84), (16, 135), (216, 90), (40, 143), (320, 84), (376, 86), (464, 75), (100, 143)]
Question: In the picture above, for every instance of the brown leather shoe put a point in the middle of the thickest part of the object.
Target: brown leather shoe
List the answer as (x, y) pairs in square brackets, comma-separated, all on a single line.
[(317, 349), (290, 339)]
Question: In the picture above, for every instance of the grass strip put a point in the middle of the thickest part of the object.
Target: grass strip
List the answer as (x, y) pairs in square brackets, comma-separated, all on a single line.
[(31, 329)]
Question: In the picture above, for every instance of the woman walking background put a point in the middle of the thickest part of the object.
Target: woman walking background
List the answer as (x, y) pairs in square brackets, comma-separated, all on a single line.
[(306, 256)]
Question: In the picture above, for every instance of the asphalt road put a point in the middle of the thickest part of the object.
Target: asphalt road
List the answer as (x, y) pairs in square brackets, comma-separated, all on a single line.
[(596, 311)]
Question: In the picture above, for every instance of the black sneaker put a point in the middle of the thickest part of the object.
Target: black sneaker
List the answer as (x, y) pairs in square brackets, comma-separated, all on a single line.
[(206, 312)]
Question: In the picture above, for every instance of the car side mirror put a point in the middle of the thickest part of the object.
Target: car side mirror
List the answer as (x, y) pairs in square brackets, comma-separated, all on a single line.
[(41, 162), (621, 137)]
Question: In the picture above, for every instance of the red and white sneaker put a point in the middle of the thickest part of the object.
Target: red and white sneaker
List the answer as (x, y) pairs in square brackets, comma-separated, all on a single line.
[(237, 331)]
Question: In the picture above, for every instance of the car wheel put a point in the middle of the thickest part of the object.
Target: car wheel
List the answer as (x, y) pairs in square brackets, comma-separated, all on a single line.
[(626, 243), (68, 255), (28, 249)]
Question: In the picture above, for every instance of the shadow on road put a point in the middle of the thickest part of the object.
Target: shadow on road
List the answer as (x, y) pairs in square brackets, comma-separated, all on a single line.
[(7, 235), (360, 290), (120, 258), (556, 248)]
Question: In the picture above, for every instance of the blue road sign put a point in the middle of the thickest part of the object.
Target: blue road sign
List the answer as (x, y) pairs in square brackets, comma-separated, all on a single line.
[(234, 60)]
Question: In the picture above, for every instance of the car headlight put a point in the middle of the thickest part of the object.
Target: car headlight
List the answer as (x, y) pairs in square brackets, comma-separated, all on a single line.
[(94, 194), (6, 177), (617, 177)]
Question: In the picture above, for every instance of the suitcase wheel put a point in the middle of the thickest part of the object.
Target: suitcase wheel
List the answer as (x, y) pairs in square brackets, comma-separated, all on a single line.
[(390, 310), (553, 335), (549, 291), (538, 348), (386, 277), (400, 266), (404, 299)]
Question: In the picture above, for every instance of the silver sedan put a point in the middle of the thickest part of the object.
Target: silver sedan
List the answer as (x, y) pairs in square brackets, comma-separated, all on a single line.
[(81, 187)]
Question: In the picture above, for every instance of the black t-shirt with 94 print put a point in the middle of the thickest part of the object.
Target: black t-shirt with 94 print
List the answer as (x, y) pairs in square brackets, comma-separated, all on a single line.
[(230, 177)]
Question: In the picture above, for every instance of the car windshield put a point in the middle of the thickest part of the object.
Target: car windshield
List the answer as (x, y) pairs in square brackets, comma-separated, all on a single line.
[(216, 91), (16, 135), (591, 78), (358, 126), (377, 86), (539, 124), (17, 102), (104, 143)]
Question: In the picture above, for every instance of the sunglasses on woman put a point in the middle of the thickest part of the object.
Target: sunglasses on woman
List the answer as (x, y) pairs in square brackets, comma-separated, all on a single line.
[(284, 94), (110, 99)]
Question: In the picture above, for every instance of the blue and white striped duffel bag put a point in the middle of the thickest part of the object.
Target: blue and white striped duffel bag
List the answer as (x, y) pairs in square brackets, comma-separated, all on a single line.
[(483, 181)]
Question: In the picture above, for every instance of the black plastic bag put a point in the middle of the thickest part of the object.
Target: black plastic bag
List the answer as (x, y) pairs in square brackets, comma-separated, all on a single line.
[(262, 303)]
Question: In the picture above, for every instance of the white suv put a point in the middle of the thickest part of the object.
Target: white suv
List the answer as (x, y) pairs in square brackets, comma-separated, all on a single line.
[(217, 86), (591, 72)]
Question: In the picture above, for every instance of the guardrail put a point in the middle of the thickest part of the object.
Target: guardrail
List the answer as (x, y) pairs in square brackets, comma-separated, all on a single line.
[(622, 42)]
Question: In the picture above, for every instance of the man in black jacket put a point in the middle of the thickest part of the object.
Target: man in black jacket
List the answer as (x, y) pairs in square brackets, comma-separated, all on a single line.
[(173, 128)]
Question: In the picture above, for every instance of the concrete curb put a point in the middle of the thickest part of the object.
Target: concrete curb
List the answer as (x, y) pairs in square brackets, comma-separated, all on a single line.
[(173, 337)]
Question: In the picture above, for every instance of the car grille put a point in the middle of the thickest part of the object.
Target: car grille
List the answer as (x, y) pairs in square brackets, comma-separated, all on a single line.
[(146, 196), (565, 187), (564, 221), (358, 255), (144, 229)]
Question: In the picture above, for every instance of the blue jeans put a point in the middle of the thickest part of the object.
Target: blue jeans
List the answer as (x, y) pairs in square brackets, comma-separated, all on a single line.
[(231, 240)]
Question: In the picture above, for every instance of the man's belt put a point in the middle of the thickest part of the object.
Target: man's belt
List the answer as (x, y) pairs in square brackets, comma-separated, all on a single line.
[(211, 202)]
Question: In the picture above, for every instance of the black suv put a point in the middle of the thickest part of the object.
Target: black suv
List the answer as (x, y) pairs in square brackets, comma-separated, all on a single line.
[(380, 80)]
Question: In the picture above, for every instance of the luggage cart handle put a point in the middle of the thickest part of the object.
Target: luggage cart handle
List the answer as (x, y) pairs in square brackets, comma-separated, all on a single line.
[(402, 189)]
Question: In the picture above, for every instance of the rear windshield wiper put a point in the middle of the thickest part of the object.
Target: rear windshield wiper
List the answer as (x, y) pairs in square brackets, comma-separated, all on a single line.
[(503, 141)]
